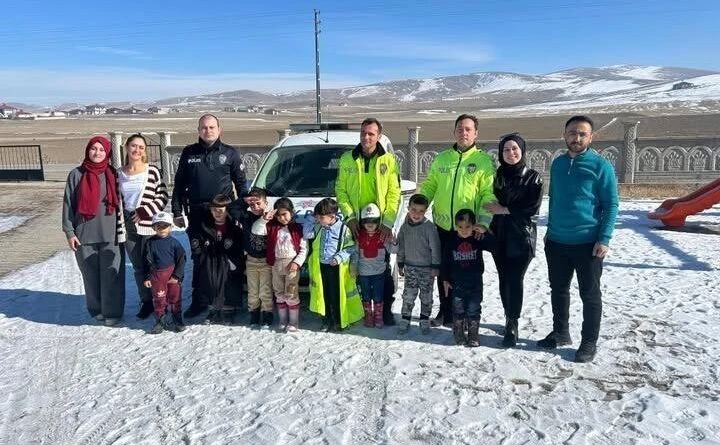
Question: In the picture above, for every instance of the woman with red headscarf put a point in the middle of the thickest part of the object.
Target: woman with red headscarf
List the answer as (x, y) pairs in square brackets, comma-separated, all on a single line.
[(93, 223)]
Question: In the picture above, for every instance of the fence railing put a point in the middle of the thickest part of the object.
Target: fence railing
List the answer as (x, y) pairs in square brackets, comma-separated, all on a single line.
[(21, 163)]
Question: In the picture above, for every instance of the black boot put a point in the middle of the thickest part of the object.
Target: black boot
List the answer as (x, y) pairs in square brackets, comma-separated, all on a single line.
[(459, 331), (266, 319), (178, 322), (194, 310), (511, 333), (388, 316), (255, 318), (553, 340), (586, 352), (146, 310), (473, 339)]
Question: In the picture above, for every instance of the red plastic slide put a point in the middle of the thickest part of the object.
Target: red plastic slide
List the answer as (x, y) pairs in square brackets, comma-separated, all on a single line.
[(673, 212)]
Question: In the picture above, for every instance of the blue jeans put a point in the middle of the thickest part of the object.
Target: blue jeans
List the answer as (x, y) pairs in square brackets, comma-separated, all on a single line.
[(372, 287)]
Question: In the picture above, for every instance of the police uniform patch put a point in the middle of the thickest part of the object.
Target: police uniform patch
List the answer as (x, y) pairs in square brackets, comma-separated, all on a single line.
[(471, 168), (222, 159), (227, 243), (383, 169)]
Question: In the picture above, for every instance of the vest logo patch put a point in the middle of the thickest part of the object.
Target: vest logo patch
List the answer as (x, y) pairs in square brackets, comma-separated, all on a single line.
[(383, 169), (222, 159), (194, 160), (471, 168)]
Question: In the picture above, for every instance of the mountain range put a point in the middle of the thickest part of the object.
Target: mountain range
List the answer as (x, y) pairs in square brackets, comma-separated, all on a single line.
[(626, 86)]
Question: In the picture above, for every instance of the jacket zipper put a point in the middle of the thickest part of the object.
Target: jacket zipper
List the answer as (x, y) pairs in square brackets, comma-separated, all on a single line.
[(452, 195)]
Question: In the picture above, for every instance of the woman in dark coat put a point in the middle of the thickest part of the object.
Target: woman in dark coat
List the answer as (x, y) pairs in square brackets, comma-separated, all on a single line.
[(518, 190)]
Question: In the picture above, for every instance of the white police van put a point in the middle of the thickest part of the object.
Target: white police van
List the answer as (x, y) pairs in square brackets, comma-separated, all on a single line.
[(303, 167)]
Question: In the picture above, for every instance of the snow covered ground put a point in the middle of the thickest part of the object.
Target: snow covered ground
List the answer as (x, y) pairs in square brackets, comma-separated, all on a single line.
[(9, 222), (66, 380)]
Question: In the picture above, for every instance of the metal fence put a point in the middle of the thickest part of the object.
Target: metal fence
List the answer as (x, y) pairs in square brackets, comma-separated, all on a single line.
[(21, 163)]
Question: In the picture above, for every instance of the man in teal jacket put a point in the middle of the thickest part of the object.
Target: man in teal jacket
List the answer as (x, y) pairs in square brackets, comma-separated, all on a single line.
[(581, 217)]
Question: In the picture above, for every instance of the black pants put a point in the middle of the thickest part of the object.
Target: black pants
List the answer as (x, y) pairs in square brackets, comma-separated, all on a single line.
[(388, 297), (195, 215), (446, 302), (331, 293), (563, 260), (511, 274)]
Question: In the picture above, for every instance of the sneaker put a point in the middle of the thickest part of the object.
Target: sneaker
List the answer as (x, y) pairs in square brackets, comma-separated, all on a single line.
[(178, 323), (194, 310), (146, 310), (292, 328), (403, 326), (99, 317), (424, 327), (586, 352), (111, 321), (554, 340), (324, 327)]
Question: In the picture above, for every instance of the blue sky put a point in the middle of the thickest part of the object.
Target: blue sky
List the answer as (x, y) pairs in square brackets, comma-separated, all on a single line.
[(54, 52)]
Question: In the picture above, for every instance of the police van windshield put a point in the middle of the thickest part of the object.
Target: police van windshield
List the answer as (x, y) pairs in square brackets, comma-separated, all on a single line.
[(307, 170)]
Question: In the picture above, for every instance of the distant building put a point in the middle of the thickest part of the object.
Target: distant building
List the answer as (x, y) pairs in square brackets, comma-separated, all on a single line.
[(157, 110), (112, 110), (273, 111), (8, 111), (343, 104), (95, 109), (253, 109), (58, 114), (77, 112), (131, 110), (25, 115)]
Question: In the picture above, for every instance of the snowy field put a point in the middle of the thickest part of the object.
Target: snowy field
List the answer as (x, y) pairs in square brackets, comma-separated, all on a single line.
[(66, 380)]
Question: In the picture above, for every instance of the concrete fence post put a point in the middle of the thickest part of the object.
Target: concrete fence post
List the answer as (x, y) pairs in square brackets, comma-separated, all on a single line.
[(629, 151), (413, 140), (282, 134), (117, 148), (165, 142)]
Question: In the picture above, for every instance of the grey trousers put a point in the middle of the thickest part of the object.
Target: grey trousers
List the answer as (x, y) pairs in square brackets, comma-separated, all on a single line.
[(103, 270), (134, 246)]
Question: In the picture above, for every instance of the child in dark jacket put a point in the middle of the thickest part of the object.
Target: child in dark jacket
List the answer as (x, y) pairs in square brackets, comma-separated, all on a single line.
[(163, 269), (463, 266), (218, 247), (286, 253)]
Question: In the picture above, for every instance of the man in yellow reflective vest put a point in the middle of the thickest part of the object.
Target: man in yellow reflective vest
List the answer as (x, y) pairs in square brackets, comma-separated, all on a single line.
[(369, 174), (460, 177)]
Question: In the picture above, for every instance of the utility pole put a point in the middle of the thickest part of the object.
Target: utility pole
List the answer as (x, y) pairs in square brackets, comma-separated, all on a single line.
[(318, 117)]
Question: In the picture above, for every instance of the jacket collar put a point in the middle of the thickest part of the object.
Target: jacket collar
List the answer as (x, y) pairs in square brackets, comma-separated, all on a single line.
[(357, 151)]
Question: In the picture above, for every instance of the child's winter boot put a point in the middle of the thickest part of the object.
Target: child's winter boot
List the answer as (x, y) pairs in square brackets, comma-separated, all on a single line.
[(282, 310), (294, 314), (255, 319), (459, 331), (473, 339), (266, 319), (178, 322), (368, 321), (159, 325), (404, 325), (378, 315)]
